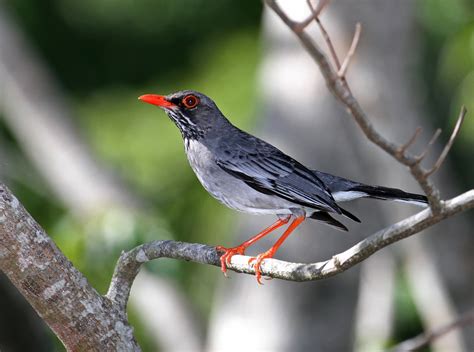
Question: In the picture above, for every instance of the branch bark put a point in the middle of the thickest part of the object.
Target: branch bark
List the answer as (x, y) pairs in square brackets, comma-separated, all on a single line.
[(78, 315)]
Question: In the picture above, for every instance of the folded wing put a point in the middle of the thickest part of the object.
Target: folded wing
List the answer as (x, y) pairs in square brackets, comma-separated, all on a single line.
[(270, 171)]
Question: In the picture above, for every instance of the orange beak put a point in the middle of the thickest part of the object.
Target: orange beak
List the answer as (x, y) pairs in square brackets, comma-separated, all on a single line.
[(158, 100)]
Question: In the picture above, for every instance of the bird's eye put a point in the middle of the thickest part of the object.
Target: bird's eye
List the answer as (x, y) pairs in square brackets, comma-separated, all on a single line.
[(190, 101)]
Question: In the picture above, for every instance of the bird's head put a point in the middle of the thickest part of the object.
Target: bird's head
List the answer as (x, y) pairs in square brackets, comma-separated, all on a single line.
[(194, 113)]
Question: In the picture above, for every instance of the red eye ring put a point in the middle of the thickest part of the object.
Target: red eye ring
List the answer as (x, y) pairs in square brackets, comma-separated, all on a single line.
[(190, 101)]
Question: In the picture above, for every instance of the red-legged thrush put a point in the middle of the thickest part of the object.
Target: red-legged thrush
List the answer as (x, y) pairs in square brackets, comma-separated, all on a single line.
[(250, 175)]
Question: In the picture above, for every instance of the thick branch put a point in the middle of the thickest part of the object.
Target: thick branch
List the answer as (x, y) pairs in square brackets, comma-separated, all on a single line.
[(78, 315), (130, 262)]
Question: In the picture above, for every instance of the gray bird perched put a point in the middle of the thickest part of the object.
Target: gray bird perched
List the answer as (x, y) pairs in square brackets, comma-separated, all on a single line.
[(250, 175)]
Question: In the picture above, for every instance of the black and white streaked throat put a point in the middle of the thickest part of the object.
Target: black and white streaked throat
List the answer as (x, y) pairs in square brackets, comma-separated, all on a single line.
[(193, 113), (189, 129)]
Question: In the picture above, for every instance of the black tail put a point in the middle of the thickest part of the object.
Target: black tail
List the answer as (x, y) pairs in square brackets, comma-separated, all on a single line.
[(344, 189), (386, 193)]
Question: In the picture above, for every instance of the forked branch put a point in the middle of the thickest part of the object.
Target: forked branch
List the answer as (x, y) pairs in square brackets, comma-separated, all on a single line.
[(341, 69), (403, 148), (315, 12), (428, 147), (355, 41), (338, 86)]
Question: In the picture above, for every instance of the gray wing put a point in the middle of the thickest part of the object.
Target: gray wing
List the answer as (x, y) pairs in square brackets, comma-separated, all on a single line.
[(270, 171)]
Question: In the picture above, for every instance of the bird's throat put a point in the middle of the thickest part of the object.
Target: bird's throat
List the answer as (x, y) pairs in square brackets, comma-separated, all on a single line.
[(189, 130)]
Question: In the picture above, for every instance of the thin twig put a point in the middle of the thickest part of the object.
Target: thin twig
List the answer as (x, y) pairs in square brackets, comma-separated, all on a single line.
[(325, 35), (448, 146), (299, 27), (402, 149), (433, 139), (328, 41), (424, 340), (355, 41), (321, 5)]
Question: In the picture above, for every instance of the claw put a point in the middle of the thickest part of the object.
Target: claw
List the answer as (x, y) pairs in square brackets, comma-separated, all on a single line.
[(258, 262), (227, 256), (269, 253), (230, 252)]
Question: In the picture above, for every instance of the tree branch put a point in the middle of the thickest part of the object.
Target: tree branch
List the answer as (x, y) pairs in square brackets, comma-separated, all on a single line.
[(340, 89), (78, 315), (424, 340), (447, 148), (355, 41), (130, 262), (314, 15)]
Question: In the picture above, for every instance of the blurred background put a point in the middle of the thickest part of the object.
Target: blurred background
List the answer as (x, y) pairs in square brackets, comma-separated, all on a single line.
[(102, 172)]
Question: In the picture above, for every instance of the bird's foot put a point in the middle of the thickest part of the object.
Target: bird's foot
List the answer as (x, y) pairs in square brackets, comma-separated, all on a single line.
[(228, 254), (257, 262)]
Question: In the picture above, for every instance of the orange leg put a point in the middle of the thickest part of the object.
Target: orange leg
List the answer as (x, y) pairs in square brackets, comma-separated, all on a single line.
[(269, 254), (240, 249)]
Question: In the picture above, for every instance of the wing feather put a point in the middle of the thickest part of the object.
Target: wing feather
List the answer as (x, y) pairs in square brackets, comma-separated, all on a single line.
[(270, 171)]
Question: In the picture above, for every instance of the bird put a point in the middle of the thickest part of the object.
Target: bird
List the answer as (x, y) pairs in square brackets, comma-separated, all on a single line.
[(250, 175)]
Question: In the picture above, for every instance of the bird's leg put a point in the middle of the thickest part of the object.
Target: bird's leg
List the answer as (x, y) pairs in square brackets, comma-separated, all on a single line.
[(269, 253), (240, 249)]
